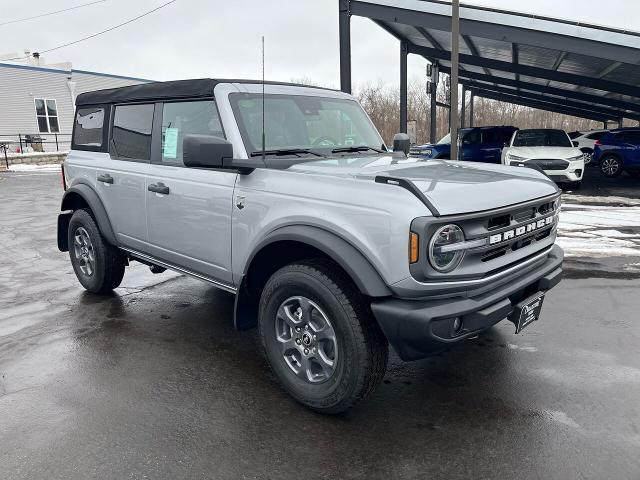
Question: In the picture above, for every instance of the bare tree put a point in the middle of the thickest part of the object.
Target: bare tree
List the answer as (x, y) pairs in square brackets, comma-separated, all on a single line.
[(382, 104)]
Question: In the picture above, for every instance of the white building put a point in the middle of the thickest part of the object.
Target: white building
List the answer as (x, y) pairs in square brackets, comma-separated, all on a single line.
[(40, 100)]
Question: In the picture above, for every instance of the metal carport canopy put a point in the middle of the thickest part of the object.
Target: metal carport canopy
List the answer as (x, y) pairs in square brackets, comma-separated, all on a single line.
[(557, 65)]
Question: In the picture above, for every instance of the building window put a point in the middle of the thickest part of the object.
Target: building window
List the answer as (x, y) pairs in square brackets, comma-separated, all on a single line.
[(47, 115)]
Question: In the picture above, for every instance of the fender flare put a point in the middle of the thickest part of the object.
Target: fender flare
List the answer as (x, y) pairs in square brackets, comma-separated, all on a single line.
[(95, 204), (362, 272)]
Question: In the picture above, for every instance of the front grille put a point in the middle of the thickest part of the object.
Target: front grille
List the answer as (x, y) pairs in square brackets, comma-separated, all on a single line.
[(509, 235), (551, 164)]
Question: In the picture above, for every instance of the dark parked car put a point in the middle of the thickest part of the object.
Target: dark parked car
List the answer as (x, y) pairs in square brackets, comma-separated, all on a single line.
[(477, 144), (618, 150)]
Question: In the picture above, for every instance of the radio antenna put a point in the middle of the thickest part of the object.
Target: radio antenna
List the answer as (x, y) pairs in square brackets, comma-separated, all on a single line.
[(263, 137)]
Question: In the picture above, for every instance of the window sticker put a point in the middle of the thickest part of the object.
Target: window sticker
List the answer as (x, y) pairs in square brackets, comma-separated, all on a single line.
[(170, 146)]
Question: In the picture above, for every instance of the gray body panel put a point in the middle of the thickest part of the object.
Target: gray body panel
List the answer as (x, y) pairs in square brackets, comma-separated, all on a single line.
[(191, 226)]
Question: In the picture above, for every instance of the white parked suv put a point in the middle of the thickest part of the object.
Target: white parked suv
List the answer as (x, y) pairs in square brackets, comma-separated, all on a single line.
[(586, 142), (549, 150), (333, 246)]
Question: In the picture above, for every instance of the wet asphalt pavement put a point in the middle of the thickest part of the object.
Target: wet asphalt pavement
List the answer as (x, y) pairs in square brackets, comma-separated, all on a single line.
[(153, 382)]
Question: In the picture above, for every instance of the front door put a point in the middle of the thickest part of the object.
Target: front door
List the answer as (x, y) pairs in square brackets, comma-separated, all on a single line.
[(121, 175), (189, 209)]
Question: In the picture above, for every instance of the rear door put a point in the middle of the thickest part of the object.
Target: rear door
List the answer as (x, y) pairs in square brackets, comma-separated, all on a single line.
[(121, 176), (492, 143), (189, 209), (632, 148), (471, 145)]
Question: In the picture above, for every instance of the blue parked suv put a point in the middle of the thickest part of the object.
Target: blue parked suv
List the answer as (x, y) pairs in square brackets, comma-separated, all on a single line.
[(478, 144), (618, 150)]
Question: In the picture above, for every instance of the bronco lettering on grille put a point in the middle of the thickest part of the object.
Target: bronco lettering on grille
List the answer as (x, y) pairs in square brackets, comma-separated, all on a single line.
[(521, 230)]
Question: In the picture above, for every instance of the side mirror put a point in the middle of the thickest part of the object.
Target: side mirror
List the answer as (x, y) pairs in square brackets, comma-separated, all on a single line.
[(205, 151), (575, 144), (401, 143)]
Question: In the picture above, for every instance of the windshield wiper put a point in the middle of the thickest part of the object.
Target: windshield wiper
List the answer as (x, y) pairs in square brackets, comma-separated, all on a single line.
[(357, 148), (285, 151)]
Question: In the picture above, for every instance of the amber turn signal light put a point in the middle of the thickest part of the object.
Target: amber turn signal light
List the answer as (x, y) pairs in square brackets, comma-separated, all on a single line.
[(414, 244)]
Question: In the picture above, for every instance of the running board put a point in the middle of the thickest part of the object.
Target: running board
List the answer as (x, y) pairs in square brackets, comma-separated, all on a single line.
[(148, 259), (411, 187)]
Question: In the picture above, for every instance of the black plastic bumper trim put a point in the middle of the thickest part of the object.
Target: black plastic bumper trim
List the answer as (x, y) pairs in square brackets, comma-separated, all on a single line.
[(420, 328)]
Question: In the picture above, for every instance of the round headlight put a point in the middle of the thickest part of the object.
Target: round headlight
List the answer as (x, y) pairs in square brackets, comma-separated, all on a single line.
[(442, 258)]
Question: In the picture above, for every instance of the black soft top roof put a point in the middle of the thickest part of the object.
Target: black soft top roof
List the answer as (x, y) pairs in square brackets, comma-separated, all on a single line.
[(202, 87)]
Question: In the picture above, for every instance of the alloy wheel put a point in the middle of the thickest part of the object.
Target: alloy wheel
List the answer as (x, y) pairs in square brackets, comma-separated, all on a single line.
[(306, 339), (84, 251), (610, 166)]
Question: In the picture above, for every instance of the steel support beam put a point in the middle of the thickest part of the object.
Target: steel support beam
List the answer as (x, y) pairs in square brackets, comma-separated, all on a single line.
[(463, 110), (559, 92), (455, 52), (404, 50), (344, 22), (607, 112), (471, 102), (527, 70), (550, 107), (432, 114)]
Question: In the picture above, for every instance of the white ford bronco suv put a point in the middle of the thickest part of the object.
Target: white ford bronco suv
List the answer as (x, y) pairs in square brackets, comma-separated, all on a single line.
[(287, 197)]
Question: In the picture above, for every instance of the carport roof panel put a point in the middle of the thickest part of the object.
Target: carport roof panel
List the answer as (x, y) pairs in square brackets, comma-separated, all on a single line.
[(579, 58)]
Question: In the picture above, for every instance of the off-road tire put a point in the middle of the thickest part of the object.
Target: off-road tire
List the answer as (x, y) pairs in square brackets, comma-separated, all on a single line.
[(362, 347), (109, 261)]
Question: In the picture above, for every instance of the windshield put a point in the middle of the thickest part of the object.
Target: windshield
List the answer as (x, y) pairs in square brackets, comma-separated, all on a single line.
[(446, 140), (541, 138), (297, 122)]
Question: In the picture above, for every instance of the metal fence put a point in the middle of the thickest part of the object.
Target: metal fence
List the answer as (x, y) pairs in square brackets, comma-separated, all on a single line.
[(20, 143)]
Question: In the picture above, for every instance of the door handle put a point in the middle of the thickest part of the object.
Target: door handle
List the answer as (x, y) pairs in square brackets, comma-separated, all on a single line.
[(158, 188), (105, 178)]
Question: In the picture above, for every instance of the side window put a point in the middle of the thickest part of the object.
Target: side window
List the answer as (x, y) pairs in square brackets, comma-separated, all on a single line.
[(131, 132), (182, 118), (596, 135), (88, 128), (471, 138)]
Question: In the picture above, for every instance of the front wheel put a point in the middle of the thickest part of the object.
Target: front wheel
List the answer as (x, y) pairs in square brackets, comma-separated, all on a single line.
[(610, 166), (98, 266), (319, 336)]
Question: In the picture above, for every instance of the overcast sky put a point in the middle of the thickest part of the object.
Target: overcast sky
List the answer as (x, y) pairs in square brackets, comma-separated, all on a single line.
[(221, 38)]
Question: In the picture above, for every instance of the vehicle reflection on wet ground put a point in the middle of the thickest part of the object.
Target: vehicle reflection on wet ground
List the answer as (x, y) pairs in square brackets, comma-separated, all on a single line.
[(154, 381)]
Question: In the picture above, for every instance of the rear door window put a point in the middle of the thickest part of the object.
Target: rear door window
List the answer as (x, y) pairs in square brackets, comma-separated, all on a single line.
[(596, 135), (183, 118), (131, 132), (471, 138), (88, 128)]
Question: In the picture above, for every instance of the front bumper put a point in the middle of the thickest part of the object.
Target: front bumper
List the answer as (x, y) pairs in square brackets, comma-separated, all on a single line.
[(420, 328)]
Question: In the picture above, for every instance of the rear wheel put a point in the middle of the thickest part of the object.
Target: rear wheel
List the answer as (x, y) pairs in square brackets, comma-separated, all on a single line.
[(610, 166), (98, 266), (319, 336)]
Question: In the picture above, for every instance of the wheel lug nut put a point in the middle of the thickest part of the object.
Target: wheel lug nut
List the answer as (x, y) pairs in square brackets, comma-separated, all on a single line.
[(306, 351), (306, 327), (298, 341), (297, 329)]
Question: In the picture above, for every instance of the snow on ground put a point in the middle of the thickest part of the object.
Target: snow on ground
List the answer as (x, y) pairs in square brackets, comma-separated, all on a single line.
[(599, 230), (20, 167)]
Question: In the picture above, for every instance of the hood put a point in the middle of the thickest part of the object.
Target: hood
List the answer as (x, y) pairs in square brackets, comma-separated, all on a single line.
[(531, 153), (453, 187)]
